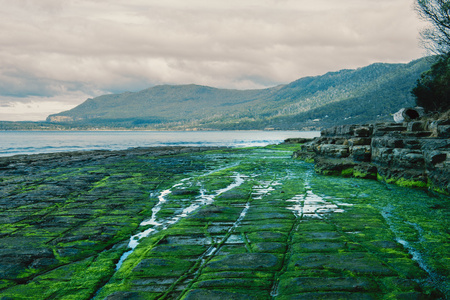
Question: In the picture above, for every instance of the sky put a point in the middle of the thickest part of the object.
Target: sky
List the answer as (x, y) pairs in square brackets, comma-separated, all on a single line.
[(55, 54)]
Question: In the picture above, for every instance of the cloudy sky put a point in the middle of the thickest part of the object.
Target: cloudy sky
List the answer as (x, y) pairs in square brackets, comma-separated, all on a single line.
[(54, 54)]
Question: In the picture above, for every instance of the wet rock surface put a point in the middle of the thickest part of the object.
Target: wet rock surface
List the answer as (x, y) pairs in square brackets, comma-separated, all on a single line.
[(415, 154), (192, 223)]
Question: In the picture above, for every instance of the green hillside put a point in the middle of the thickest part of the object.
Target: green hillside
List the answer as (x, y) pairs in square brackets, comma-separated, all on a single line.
[(363, 95)]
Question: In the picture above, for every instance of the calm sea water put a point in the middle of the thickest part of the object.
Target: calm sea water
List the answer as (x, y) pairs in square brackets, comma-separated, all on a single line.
[(32, 142)]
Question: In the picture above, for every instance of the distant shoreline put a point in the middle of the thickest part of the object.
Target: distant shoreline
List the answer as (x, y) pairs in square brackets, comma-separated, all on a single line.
[(46, 126), (154, 130)]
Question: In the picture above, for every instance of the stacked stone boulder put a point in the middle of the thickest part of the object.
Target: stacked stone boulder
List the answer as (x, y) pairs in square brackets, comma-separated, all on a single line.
[(415, 154)]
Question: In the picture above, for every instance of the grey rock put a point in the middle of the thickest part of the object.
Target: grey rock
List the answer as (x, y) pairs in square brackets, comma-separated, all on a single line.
[(436, 157), (364, 131), (443, 131), (416, 126), (417, 151), (361, 153)]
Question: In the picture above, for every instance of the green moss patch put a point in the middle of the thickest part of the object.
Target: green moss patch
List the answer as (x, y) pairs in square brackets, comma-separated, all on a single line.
[(235, 283), (161, 267), (294, 286), (331, 296), (245, 261), (269, 247), (219, 294), (358, 263), (267, 236), (177, 251)]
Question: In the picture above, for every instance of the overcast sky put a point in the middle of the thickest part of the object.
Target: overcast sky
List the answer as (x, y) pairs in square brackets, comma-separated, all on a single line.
[(54, 54)]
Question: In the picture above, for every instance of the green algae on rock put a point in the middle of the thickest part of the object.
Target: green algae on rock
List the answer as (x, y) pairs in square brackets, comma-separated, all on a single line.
[(222, 224)]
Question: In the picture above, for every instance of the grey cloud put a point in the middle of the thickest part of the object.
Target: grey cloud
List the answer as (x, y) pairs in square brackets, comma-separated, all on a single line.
[(7, 104), (51, 47)]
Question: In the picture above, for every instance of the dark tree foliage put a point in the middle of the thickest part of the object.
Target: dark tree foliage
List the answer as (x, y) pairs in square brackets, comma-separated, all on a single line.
[(432, 91)]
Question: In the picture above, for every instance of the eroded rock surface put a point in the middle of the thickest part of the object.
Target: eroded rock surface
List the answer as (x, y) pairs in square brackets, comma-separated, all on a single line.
[(223, 224), (415, 154)]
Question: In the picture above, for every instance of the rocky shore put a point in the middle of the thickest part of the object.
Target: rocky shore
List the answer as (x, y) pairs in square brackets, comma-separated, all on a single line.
[(414, 154), (204, 223), (56, 208)]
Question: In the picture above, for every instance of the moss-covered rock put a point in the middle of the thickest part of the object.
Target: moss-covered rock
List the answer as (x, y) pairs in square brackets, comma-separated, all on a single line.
[(230, 224)]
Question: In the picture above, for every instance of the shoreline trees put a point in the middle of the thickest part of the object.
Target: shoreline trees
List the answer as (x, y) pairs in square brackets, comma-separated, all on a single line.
[(432, 91)]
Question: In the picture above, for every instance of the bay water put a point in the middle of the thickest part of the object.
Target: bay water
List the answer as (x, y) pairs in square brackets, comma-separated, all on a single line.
[(33, 142)]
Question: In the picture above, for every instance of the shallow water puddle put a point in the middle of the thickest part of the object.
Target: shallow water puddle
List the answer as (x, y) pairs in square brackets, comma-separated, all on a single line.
[(157, 207), (264, 188), (311, 205), (201, 200), (134, 240)]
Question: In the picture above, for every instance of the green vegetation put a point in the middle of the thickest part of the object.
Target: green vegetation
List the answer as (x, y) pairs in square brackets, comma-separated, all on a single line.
[(432, 91), (262, 226), (363, 95), (9, 125), (404, 182)]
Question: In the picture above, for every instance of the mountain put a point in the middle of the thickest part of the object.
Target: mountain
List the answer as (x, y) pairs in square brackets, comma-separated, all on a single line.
[(362, 95)]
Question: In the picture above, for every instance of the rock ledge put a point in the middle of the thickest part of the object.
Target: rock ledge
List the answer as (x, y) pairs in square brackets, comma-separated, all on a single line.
[(414, 154)]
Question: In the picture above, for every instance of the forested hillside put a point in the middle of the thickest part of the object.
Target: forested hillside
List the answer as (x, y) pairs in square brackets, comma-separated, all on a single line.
[(363, 95)]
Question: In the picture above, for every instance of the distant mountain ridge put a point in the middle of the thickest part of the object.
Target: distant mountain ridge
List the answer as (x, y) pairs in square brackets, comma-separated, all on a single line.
[(363, 95)]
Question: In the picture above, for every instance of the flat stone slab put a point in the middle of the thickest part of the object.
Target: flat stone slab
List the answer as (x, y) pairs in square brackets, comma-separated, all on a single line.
[(318, 246), (235, 283), (270, 247), (201, 294), (317, 284), (331, 296), (320, 235), (177, 250), (187, 240), (245, 261), (267, 236), (360, 263), (159, 267)]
